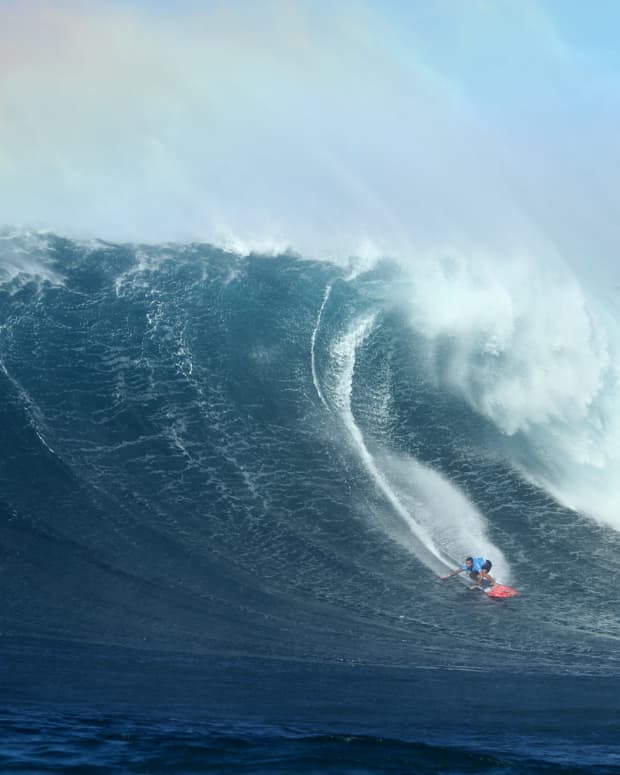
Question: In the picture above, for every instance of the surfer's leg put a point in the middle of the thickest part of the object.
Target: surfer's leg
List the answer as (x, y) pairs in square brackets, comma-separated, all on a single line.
[(486, 575)]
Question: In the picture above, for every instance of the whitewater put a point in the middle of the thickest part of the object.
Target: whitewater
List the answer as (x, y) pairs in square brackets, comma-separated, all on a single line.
[(298, 309)]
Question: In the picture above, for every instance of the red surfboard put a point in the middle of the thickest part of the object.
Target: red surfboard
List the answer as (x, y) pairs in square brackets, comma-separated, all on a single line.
[(501, 590)]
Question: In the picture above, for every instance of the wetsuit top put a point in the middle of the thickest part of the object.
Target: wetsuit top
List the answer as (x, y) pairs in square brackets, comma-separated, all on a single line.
[(477, 564)]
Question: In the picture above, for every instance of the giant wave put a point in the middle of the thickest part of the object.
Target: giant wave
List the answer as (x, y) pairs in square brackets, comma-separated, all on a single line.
[(205, 451)]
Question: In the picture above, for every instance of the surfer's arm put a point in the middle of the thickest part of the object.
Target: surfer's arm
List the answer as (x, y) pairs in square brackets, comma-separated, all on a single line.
[(454, 573)]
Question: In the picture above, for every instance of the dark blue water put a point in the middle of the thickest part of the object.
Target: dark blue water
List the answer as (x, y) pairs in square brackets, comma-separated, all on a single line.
[(72, 742), (227, 488), (113, 709)]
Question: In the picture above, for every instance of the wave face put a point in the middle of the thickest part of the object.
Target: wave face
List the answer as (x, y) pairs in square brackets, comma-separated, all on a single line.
[(268, 455)]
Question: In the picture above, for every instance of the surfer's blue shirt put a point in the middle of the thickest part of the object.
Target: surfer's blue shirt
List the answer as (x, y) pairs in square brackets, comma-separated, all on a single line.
[(477, 564)]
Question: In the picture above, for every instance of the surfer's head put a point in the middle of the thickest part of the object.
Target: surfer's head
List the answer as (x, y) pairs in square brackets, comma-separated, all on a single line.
[(469, 561)]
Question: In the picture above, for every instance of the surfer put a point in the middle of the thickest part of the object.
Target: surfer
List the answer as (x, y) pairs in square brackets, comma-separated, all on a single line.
[(478, 569)]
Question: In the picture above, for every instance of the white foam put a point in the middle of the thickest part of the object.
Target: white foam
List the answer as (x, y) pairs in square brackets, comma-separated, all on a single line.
[(315, 330), (532, 349), (450, 519)]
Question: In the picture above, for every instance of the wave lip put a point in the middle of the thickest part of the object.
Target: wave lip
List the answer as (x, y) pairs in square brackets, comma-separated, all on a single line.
[(25, 256)]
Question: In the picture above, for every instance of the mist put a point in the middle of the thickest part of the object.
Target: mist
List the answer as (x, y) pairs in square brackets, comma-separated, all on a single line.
[(330, 130)]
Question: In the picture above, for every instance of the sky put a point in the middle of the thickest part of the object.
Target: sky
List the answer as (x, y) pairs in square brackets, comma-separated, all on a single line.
[(331, 128)]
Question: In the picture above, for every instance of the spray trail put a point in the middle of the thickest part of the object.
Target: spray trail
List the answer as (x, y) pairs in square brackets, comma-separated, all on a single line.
[(344, 352), (315, 378)]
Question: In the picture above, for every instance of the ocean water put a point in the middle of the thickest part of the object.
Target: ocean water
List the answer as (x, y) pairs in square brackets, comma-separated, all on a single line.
[(228, 487)]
